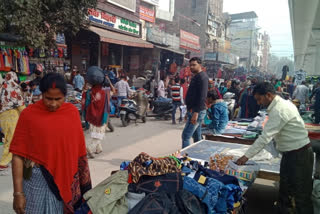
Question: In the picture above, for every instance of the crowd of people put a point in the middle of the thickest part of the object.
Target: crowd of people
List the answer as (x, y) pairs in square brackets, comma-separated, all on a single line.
[(49, 162)]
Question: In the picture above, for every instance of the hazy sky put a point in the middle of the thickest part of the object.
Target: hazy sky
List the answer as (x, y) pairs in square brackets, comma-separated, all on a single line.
[(273, 17)]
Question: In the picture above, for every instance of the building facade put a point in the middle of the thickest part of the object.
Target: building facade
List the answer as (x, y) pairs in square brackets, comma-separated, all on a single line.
[(243, 32)]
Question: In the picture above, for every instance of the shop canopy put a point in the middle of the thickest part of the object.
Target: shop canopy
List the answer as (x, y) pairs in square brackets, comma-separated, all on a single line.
[(120, 39), (170, 49)]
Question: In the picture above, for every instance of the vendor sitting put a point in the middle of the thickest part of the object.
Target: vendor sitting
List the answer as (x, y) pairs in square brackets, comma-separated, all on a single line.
[(218, 113)]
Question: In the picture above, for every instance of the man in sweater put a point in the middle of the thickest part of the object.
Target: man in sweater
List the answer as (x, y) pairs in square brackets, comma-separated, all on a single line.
[(287, 128), (177, 99), (196, 103)]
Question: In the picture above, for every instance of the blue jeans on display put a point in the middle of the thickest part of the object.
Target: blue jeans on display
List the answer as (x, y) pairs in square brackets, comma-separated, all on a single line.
[(120, 98), (191, 130), (174, 110)]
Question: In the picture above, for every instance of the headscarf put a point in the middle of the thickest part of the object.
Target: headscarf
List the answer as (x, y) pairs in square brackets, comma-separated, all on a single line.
[(95, 106), (11, 94), (55, 140)]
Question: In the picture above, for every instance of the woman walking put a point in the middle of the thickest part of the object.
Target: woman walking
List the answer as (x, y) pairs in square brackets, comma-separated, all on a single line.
[(95, 107), (11, 105), (49, 167)]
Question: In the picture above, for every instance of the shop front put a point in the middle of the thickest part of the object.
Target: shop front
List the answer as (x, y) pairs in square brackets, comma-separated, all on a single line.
[(111, 41)]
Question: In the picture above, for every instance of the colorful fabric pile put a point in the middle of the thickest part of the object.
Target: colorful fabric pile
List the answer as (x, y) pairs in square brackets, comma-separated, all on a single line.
[(171, 184)]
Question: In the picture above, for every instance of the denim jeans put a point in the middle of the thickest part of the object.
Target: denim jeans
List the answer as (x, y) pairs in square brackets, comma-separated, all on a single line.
[(120, 98), (191, 130), (174, 110)]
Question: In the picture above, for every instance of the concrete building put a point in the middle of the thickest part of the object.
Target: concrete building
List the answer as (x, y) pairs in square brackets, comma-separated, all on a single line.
[(305, 25), (243, 32), (266, 46)]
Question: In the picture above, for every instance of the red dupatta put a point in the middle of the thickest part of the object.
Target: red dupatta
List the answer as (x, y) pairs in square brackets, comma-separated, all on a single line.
[(54, 140)]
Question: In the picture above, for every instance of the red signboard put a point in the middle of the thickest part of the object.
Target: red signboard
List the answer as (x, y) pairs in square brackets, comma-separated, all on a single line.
[(189, 41), (147, 14)]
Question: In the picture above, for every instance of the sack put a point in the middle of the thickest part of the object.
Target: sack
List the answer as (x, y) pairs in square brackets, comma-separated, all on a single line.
[(95, 75)]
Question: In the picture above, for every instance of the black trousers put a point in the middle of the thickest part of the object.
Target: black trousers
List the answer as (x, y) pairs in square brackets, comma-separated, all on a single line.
[(296, 183)]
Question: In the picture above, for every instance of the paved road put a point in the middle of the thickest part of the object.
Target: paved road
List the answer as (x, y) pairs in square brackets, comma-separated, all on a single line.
[(157, 138)]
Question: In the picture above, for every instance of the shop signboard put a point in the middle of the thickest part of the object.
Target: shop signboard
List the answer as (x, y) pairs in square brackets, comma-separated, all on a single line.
[(210, 56), (153, 2), (156, 35), (113, 21), (228, 58), (147, 14), (189, 41), (126, 4)]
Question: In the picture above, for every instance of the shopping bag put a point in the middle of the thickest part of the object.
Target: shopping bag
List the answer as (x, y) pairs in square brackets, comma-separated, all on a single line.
[(183, 110)]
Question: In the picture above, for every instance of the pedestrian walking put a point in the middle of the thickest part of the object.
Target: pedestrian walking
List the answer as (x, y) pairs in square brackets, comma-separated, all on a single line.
[(177, 99), (78, 82), (316, 93), (96, 107), (49, 167), (161, 88), (301, 93), (11, 105), (287, 128), (196, 103), (123, 91)]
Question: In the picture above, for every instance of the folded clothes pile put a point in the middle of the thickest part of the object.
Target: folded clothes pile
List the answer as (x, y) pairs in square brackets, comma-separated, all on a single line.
[(172, 184)]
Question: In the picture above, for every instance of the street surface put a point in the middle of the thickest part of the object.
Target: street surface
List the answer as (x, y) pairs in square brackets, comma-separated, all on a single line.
[(157, 138)]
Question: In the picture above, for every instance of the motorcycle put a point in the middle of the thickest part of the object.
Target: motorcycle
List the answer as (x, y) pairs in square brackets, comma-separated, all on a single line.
[(133, 109), (162, 108), (229, 98)]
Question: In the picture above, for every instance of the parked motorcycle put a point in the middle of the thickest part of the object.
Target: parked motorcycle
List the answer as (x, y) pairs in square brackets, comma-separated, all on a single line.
[(134, 109), (162, 108)]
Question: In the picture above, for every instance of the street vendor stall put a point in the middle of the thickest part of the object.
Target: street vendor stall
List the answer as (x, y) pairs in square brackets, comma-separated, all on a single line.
[(203, 150)]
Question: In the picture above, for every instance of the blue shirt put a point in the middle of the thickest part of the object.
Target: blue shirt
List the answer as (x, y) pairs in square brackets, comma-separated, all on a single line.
[(219, 117), (78, 82)]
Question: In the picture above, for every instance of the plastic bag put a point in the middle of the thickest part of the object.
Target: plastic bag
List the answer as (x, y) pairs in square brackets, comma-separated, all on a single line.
[(183, 110)]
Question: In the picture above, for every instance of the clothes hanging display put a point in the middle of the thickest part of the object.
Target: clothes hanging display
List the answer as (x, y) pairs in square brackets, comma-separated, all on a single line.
[(14, 59)]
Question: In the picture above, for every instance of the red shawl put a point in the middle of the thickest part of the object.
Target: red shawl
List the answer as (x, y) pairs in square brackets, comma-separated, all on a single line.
[(54, 140), (94, 105)]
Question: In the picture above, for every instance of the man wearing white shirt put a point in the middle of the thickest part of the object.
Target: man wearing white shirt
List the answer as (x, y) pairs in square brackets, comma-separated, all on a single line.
[(287, 128), (123, 91)]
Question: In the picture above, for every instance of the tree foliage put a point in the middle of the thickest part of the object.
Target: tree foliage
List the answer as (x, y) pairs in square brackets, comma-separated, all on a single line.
[(37, 21)]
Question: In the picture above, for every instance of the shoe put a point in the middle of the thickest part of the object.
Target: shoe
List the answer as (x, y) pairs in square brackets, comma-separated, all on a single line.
[(174, 123), (2, 168)]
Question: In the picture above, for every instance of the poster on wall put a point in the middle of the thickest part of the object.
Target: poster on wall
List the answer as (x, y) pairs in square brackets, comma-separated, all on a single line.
[(299, 77), (126, 4)]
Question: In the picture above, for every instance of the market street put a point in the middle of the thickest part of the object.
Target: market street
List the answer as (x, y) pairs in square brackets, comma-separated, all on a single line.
[(157, 138)]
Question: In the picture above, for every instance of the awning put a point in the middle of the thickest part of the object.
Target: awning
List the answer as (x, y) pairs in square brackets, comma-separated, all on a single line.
[(170, 49), (120, 39)]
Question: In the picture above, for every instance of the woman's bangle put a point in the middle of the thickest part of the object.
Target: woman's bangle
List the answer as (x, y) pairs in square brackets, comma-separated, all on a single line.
[(18, 194)]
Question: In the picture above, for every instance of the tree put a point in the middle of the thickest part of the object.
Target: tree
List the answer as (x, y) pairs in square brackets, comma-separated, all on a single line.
[(37, 21)]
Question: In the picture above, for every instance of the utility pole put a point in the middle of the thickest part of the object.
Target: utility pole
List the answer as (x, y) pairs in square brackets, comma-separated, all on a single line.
[(250, 51)]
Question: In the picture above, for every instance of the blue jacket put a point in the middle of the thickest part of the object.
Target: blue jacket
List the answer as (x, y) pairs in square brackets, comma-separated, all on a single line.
[(219, 117)]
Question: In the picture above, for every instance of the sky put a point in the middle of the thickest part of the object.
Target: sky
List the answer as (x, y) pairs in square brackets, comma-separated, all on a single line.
[(273, 17)]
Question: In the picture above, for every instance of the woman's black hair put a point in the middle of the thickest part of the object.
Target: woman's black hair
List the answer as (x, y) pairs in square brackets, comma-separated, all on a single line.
[(213, 94), (53, 80)]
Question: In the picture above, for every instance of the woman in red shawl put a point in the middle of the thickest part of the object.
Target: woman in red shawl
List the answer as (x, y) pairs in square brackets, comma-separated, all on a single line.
[(49, 167)]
